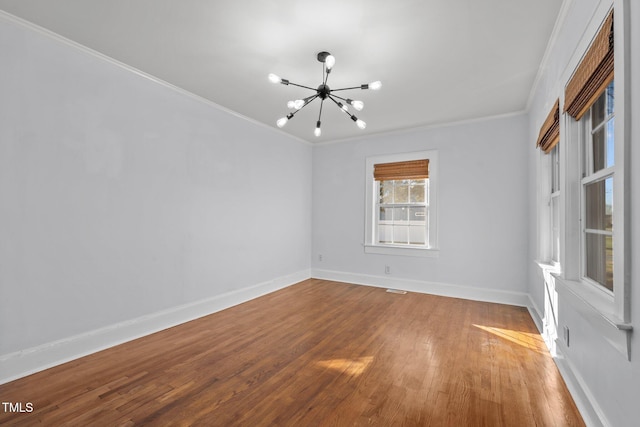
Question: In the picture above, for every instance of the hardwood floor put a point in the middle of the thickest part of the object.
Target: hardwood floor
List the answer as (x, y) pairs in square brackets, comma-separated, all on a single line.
[(316, 353)]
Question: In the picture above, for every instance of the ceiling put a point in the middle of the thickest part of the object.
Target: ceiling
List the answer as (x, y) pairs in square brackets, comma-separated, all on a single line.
[(440, 61)]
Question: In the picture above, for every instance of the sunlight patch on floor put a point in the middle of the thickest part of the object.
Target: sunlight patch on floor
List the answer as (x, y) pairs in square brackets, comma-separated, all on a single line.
[(525, 339), (353, 367)]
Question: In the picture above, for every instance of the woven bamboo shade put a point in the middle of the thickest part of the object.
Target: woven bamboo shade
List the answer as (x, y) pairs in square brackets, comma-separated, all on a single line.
[(413, 169), (550, 131), (593, 74)]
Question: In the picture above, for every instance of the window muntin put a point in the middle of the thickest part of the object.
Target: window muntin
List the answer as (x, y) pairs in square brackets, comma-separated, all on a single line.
[(598, 169)]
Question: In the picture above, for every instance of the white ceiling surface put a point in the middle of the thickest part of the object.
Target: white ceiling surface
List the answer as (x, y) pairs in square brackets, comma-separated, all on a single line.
[(440, 61)]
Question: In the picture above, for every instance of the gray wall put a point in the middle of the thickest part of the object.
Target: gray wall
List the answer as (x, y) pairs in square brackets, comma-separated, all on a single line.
[(482, 212), (121, 197)]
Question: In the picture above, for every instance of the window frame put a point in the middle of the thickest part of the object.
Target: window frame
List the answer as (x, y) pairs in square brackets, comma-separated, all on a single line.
[(554, 200), (430, 249)]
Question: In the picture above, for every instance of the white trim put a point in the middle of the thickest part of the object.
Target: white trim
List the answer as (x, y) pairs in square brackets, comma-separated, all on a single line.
[(519, 299), (592, 414), (622, 131), (412, 251), (536, 315), (57, 37), (423, 127), (25, 362), (587, 405)]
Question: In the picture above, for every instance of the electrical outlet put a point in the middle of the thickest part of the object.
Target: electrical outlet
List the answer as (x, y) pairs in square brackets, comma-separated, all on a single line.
[(387, 269)]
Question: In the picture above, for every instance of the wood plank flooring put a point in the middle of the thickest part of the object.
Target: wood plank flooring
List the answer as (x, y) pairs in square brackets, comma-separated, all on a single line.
[(314, 354)]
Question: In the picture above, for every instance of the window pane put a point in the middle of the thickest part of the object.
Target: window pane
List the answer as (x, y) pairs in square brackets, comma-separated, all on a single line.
[(417, 215), (416, 191), (386, 192), (400, 215), (599, 205), (386, 214), (599, 155), (610, 151), (598, 111), (417, 234), (602, 141), (599, 261), (610, 98), (401, 234), (555, 169), (385, 233), (555, 228), (401, 194)]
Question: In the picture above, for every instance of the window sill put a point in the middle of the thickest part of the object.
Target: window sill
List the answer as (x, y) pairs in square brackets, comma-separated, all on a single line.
[(549, 267), (413, 251), (599, 311)]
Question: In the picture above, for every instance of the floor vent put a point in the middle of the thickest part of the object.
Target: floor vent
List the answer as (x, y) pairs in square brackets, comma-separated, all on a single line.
[(396, 291)]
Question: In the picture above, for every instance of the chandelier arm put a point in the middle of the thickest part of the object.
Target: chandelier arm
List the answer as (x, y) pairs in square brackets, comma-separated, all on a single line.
[(349, 88), (339, 97), (338, 105), (306, 87), (305, 104), (310, 98)]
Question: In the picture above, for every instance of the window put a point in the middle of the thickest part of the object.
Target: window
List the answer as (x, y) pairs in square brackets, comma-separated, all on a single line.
[(548, 140), (596, 264), (401, 195), (598, 170)]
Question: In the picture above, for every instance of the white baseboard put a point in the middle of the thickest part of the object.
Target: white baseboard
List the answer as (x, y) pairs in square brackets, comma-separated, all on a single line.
[(456, 291), (535, 313), (25, 362), (586, 403)]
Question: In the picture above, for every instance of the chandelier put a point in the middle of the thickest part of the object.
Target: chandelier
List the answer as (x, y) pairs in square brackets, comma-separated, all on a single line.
[(324, 92)]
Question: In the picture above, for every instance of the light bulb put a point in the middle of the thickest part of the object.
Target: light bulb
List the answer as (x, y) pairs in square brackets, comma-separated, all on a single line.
[(330, 61), (291, 104), (375, 85), (298, 104), (274, 79), (317, 132), (358, 105), (344, 107), (282, 121), (361, 124)]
